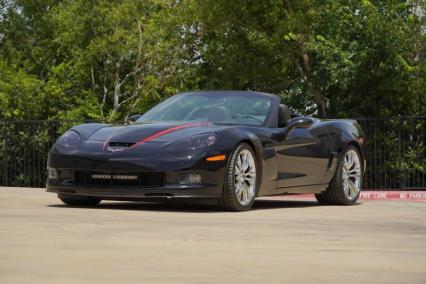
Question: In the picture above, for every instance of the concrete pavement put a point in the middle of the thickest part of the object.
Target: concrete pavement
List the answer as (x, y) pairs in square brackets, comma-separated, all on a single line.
[(42, 241)]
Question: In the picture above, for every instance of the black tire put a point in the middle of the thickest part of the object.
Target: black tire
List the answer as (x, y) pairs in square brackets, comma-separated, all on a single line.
[(229, 200), (335, 195), (84, 201)]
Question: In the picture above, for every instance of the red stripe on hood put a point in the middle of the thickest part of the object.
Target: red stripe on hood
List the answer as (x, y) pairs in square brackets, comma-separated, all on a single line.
[(166, 131)]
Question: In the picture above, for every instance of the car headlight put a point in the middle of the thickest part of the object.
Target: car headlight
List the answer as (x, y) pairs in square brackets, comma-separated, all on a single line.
[(70, 139), (194, 142)]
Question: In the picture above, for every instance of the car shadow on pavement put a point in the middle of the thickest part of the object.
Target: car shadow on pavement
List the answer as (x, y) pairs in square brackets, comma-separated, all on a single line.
[(190, 207), (279, 204)]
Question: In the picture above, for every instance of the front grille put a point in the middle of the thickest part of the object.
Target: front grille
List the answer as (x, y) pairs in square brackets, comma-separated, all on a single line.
[(127, 179)]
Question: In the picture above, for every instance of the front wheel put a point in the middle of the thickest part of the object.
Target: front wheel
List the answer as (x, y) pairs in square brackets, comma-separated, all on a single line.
[(345, 187), (241, 183), (83, 201)]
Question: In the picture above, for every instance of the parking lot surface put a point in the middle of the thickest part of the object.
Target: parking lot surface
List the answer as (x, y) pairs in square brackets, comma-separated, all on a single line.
[(279, 241)]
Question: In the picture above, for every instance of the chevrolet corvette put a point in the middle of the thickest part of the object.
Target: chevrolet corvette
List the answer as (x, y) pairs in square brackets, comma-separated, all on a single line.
[(226, 146)]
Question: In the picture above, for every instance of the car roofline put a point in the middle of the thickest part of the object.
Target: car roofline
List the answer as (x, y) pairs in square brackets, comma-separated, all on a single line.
[(248, 93)]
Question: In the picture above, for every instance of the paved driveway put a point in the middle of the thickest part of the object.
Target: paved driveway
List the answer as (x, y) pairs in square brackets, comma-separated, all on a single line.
[(42, 241)]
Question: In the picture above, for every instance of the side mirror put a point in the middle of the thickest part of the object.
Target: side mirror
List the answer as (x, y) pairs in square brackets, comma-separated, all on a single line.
[(297, 122), (133, 118)]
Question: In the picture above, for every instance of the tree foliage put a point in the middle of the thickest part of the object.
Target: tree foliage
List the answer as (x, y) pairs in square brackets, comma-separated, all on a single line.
[(77, 59)]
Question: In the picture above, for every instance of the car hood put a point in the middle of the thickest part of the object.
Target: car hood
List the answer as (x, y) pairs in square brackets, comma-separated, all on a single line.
[(149, 132)]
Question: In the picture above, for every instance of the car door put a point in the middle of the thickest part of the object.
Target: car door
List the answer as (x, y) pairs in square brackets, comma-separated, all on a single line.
[(303, 157)]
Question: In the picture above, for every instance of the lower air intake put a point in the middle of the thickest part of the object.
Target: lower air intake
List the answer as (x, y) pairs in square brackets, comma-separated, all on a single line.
[(127, 179)]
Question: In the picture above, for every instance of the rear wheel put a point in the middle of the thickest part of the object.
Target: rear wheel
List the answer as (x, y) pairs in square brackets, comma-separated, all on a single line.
[(78, 200), (345, 187), (241, 181)]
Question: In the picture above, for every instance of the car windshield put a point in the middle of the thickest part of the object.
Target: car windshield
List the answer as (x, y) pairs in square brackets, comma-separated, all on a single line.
[(218, 108)]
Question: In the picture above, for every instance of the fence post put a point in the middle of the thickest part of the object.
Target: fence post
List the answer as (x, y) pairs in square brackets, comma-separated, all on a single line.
[(5, 152), (401, 173)]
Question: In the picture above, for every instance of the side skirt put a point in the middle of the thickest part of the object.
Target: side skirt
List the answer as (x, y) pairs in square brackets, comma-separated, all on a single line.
[(317, 188)]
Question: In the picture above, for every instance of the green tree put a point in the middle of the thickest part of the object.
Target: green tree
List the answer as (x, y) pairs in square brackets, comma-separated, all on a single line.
[(106, 59), (122, 53), (349, 58), (97, 59)]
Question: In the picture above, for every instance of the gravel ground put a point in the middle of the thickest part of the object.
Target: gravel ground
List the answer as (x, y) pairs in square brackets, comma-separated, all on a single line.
[(280, 241)]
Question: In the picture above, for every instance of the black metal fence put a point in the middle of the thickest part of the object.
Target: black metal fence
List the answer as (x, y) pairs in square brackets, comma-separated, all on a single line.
[(395, 151), (24, 146)]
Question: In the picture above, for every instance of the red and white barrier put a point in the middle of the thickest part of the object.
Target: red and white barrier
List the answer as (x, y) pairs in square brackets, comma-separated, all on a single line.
[(393, 195), (365, 195)]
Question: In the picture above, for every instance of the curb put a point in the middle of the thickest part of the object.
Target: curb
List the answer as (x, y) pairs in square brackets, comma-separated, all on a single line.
[(365, 195), (394, 195)]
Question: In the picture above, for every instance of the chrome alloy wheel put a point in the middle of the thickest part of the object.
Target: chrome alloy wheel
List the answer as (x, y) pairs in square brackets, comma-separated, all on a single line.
[(351, 175), (245, 177)]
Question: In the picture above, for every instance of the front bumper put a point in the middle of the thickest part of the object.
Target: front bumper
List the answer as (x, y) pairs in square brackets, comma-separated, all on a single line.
[(148, 185), (132, 193), (169, 166)]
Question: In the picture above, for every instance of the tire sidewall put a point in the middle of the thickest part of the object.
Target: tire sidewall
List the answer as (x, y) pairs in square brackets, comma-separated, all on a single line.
[(340, 177), (231, 167)]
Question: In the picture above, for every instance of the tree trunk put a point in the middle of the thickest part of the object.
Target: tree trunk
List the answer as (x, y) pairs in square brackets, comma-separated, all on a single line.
[(320, 100), (116, 94), (316, 93)]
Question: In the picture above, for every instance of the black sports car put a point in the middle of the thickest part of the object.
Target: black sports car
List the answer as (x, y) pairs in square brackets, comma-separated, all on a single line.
[(229, 146)]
